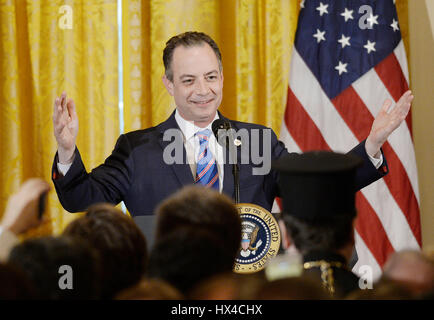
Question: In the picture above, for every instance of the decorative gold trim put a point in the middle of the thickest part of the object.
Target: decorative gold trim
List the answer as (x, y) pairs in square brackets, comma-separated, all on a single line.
[(326, 272)]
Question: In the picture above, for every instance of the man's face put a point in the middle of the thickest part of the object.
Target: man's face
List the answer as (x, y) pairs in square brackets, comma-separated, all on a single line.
[(197, 84)]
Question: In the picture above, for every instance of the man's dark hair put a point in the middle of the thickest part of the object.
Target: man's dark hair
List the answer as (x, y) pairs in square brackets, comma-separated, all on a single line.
[(187, 39), (188, 256), (120, 243), (201, 208), (42, 258), (331, 234)]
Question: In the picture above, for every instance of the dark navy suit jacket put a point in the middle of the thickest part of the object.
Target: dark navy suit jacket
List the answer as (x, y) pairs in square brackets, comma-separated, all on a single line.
[(136, 173)]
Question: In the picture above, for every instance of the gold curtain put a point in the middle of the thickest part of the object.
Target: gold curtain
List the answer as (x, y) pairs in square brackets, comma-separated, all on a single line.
[(38, 60)]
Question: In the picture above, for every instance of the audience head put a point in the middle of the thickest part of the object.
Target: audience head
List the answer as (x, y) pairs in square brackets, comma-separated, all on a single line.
[(188, 256), (228, 286), (384, 289), (15, 284), (293, 288), (331, 235), (412, 269), (119, 242), (318, 194), (150, 289), (204, 209), (43, 261)]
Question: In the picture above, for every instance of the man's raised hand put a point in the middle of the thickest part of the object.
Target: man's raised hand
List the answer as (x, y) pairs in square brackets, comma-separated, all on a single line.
[(386, 122), (65, 123)]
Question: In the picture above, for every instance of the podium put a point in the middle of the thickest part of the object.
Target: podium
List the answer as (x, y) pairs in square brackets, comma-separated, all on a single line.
[(147, 225)]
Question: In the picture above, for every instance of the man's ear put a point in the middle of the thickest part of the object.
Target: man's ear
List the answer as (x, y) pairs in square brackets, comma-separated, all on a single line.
[(286, 239), (168, 84)]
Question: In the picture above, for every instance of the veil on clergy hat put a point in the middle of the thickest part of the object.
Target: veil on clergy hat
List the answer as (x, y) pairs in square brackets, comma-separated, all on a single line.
[(318, 185)]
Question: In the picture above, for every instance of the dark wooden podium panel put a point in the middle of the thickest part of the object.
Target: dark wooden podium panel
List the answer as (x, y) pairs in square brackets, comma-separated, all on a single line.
[(147, 226)]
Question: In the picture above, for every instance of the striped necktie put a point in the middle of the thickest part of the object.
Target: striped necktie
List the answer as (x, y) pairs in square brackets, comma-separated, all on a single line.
[(206, 171)]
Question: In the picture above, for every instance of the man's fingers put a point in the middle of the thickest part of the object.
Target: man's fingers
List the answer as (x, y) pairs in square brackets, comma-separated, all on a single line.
[(407, 97), (386, 106), (63, 99), (56, 104), (64, 105), (71, 109), (405, 100), (34, 187), (61, 112), (404, 103), (56, 112), (58, 107)]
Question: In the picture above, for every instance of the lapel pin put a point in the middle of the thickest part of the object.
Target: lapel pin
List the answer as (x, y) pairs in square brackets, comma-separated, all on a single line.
[(237, 142)]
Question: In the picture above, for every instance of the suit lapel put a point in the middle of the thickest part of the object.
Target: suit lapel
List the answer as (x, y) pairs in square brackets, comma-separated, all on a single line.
[(181, 170)]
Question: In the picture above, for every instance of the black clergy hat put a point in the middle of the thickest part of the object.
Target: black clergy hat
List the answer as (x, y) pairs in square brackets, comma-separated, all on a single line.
[(318, 185)]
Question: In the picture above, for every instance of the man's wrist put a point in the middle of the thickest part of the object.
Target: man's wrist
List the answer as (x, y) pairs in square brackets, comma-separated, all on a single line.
[(65, 157), (373, 149), (376, 162)]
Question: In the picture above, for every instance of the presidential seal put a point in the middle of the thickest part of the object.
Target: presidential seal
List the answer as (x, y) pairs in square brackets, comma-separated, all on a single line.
[(260, 238)]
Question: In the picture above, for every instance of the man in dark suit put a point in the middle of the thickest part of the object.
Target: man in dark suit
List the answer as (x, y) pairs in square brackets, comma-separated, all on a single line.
[(140, 171)]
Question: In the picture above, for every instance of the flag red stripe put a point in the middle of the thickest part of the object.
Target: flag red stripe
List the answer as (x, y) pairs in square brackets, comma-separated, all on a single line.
[(402, 191), (390, 72), (359, 120), (301, 127), (354, 112), (371, 230)]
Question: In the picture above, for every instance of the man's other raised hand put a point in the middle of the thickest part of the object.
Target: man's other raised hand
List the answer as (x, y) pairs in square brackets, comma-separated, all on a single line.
[(65, 123)]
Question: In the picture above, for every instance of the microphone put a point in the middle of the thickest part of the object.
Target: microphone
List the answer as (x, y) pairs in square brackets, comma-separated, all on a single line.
[(220, 124), (230, 141), (224, 133), (223, 124)]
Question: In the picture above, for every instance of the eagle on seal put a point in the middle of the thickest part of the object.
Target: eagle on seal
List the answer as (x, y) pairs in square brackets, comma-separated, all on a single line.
[(247, 242)]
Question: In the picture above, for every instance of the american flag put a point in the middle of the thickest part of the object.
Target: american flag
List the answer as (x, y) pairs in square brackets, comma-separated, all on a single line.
[(348, 58)]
